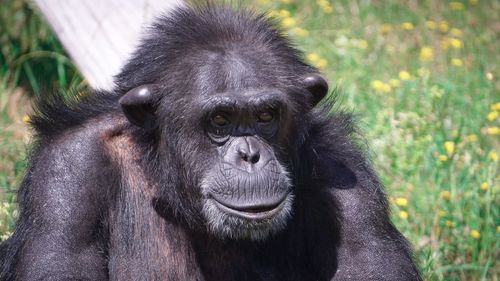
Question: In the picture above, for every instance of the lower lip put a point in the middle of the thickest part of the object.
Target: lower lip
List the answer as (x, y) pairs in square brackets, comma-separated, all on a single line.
[(250, 215)]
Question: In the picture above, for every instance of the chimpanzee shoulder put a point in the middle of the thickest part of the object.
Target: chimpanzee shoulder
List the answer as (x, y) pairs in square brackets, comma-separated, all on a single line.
[(54, 112)]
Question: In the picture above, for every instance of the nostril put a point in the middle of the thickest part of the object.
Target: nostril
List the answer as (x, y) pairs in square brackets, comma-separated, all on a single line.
[(255, 158), (243, 154)]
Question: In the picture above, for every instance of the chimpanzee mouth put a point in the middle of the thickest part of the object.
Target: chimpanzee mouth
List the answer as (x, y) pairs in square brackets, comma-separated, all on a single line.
[(253, 212)]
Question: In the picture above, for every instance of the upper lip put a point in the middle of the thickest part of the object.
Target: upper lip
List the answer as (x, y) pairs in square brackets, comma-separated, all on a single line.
[(250, 168), (255, 212)]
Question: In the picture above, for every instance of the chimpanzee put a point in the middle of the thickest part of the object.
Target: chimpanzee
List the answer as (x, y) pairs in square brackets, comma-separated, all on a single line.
[(210, 160)]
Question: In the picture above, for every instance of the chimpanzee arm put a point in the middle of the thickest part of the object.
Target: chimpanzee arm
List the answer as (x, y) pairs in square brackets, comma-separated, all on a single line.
[(61, 206), (369, 247)]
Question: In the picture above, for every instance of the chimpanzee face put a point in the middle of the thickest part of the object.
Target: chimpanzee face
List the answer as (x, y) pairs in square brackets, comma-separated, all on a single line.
[(231, 129), (247, 190)]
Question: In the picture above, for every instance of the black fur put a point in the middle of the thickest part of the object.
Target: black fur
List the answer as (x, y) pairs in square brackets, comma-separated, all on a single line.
[(103, 199)]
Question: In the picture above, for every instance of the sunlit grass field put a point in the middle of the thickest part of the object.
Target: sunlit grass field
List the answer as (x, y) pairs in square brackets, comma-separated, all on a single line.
[(423, 76)]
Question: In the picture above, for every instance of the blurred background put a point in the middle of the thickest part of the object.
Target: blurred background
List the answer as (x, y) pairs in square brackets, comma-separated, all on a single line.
[(423, 76)]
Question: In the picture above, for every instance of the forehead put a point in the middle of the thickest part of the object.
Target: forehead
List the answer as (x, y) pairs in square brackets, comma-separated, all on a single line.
[(232, 70), (250, 99)]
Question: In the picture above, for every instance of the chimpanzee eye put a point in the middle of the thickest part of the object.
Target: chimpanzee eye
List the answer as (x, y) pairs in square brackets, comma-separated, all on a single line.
[(265, 117), (220, 120)]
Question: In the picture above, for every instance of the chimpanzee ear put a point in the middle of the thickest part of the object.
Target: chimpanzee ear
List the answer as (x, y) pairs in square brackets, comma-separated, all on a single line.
[(139, 106), (317, 86)]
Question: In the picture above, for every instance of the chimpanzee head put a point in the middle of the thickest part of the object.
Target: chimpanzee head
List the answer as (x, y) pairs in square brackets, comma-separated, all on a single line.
[(228, 101)]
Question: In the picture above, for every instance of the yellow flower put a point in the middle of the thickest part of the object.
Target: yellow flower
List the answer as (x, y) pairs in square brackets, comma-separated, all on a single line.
[(455, 43), (445, 194), (449, 223), (263, 2), (328, 9), (493, 131), (26, 119), (377, 85), (325, 5), (312, 57), (472, 138), (300, 32), (426, 54), (288, 22), (492, 115), (431, 24), (441, 213), (322, 3), (401, 201), (394, 83), (443, 26), (457, 62), (286, 1), (456, 32), (498, 228), (493, 156), (473, 2), (449, 147), (386, 88), (456, 6), (403, 215), (495, 106), (362, 44), (407, 25), (385, 28), (284, 13), (322, 63), (475, 234), (404, 75), (442, 158), (484, 186), (423, 72)]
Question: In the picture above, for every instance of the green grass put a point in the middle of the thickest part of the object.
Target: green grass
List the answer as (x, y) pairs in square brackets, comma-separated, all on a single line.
[(31, 60), (430, 136)]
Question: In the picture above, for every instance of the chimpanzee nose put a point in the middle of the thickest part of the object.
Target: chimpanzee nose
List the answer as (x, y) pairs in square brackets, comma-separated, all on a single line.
[(250, 157), (249, 151)]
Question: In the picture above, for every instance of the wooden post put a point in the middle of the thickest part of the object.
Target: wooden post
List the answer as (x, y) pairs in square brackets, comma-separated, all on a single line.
[(100, 35)]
